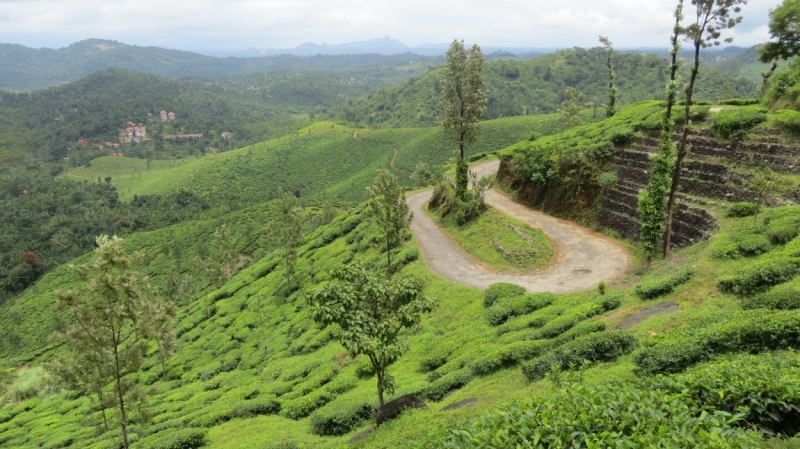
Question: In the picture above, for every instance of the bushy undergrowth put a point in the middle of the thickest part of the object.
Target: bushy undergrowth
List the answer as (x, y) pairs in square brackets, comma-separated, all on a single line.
[(505, 308), (341, 417), (788, 120), (499, 291), (747, 331), (778, 298), (608, 415), (743, 209), (760, 275), (765, 389), (178, 439), (736, 123), (600, 347), (659, 287)]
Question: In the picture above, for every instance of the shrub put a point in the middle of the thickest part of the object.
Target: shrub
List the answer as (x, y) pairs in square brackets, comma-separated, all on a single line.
[(659, 287), (753, 245), (613, 414), (477, 157), (505, 308), (759, 276), (579, 330), (340, 417), (534, 321), (256, 407), (436, 358), (364, 369), (776, 299), (793, 248), (783, 230), (763, 388), (740, 101), (499, 291), (788, 120), (508, 356), (736, 123), (601, 347), (179, 439), (301, 407), (780, 213), (747, 331), (453, 380), (744, 209), (622, 136)]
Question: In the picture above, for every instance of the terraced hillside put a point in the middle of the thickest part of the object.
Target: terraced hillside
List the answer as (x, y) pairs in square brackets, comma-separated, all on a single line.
[(717, 171)]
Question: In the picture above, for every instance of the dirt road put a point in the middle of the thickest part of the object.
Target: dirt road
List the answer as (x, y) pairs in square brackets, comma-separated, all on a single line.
[(585, 256)]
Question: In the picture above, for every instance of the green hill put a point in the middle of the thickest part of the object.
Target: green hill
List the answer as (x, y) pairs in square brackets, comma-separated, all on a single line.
[(251, 363), (537, 86), (24, 68)]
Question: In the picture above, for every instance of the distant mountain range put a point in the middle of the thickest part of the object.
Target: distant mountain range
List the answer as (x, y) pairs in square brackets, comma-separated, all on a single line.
[(384, 46)]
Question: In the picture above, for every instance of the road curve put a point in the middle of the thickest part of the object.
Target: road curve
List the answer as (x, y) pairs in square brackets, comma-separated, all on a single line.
[(586, 257)]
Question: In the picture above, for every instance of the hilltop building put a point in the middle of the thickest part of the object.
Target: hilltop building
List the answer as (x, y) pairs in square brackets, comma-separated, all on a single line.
[(167, 115)]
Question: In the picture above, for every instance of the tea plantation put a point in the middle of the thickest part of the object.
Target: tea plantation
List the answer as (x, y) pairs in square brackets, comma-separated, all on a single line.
[(597, 368)]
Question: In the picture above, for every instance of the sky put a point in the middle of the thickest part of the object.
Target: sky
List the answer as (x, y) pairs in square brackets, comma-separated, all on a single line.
[(242, 24)]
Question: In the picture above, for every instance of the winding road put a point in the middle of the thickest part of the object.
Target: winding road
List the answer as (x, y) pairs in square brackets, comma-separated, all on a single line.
[(586, 257)]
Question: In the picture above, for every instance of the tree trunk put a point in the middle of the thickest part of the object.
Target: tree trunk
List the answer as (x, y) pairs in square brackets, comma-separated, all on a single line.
[(102, 409), (123, 418), (682, 151)]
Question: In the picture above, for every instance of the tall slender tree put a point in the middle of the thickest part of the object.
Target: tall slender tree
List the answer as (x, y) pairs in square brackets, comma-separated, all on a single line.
[(389, 212), (115, 324), (465, 101), (712, 17), (612, 88), (287, 232), (652, 204)]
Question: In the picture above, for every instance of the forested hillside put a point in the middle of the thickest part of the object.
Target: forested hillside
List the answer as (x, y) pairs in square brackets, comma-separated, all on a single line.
[(24, 68), (537, 86)]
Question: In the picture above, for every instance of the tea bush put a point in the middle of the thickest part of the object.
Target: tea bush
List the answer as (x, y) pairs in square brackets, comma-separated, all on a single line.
[(741, 101), (747, 331), (508, 356), (783, 230), (454, 380), (793, 248), (760, 275), (301, 407), (340, 417), (786, 298), (600, 347), (501, 290), (179, 439), (788, 120), (743, 209), (766, 389), (505, 308), (659, 287), (736, 123), (607, 415)]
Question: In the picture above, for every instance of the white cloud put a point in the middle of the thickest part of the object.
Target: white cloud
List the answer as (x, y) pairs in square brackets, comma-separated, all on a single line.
[(288, 23)]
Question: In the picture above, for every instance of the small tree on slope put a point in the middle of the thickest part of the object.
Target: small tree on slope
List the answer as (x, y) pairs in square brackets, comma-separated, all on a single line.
[(389, 212), (371, 310), (115, 324), (612, 88)]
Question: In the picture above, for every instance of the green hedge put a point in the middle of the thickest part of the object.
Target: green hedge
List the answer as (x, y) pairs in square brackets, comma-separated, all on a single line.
[(746, 331), (787, 298), (744, 209), (505, 308), (340, 417), (766, 389), (610, 415), (780, 213), (788, 120), (759, 276), (301, 407), (508, 356), (783, 230), (501, 290), (736, 123), (179, 439), (534, 321), (255, 407), (600, 347), (659, 287), (364, 369), (741, 101), (793, 248), (453, 380)]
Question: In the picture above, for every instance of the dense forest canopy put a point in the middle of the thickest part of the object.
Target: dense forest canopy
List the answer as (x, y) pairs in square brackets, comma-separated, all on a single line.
[(537, 86)]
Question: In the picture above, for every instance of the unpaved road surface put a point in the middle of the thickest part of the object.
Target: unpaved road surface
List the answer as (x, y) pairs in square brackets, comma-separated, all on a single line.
[(586, 257)]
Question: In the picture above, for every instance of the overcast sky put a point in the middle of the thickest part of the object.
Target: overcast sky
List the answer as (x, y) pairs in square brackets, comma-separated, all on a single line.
[(240, 24)]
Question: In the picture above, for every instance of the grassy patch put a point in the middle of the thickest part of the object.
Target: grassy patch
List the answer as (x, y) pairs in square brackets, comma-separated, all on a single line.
[(502, 242)]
